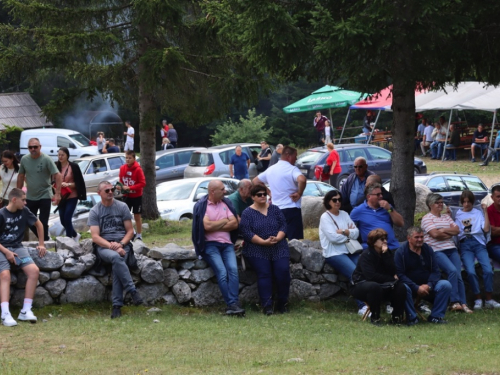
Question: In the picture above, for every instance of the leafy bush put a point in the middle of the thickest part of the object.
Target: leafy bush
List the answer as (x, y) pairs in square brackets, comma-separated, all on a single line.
[(248, 129)]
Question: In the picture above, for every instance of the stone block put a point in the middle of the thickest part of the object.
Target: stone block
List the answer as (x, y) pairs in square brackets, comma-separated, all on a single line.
[(182, 292), (55, 287), (312, 259), (207, 294), (199, 276), (84, 289), (50, 262), (170, 277), (151, 271)]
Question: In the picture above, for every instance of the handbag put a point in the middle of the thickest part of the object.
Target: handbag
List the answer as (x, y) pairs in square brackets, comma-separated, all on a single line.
[(6, 189), (353, 246), (65, 191)]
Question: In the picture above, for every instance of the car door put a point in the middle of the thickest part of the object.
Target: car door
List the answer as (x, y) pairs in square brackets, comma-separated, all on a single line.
[(181, 162), (167, 168), (252, 152), (97, 171), (380, 162)]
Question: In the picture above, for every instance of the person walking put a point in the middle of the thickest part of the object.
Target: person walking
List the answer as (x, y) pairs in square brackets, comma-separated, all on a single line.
[(239, 164), (9, 172), (130, 133)]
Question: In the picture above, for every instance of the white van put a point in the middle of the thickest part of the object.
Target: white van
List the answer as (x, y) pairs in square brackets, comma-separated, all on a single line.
[(53, 138)]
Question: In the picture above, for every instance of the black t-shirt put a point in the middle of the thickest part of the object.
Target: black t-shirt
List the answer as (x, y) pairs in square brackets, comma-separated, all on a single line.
[(12, 226), (478, 135)]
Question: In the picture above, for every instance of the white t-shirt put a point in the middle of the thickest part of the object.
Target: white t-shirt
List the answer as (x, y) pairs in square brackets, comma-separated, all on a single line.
[(130, 132), (6, 176), (327, 131), (428, 133), (471, 223), (282, 180)]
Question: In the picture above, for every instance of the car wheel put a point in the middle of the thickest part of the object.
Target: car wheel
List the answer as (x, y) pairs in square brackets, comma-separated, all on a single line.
[(185, 218), (416, 171), (341, 181)]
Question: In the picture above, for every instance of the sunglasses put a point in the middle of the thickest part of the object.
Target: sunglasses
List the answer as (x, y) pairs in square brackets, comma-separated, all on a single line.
[(260, 195), (336, 200), (358, 166), (383, 238), (33, 147), (107, 191), (378, 194)]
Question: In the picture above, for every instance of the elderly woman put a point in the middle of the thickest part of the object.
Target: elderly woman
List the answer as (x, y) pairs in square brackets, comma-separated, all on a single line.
[(473, 224), (335, 229), (263, 227), (375, 278), (439, 229), (333, 162)]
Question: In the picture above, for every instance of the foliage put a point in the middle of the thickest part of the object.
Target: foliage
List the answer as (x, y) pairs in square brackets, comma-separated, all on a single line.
[(249, 129), (9, 138)]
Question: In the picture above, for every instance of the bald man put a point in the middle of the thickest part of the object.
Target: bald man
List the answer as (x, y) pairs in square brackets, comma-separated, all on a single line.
[(354, 186)]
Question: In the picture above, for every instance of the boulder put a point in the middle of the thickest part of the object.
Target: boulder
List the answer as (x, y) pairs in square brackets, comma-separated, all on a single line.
[(192, 286), (296, 247), (72, 272), (208, 293), (185, 274), (151, 292), (88, 260), (151, 271), (249, 294), (17, 297), (312, 259), (169, 299), (165, 263), (67, 243), (330, 277), (172, 252), (328, 290), (297, 271), (65, 253), (199, 276), (170, 277), (84, 289), (329, 269), (300, 290), (182, 292), (421, 192), (55, 287), (312, 208), (42, 298), (187, 265), (48, 244), (200, 264), (43, 277), (50, 262), (54, 275), (140, 247), (106, 280), (70, 262), (313, 277), (87, 246), (21, 280)]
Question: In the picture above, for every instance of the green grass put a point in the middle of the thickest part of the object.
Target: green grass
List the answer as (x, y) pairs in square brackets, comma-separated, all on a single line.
[(324, 338), (161, 232)]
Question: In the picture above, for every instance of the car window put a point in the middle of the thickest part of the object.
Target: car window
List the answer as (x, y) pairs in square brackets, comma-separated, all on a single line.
[(421, 179), (166, 161), (98, 165), (201, 159), (379, 154), (309, 157), (183, 157), (80, 139), (254, 151), (64, 142), (455, 183), (115, 163), (437, 184), (230, 186), (202, 189), (354, 153), (311, 190), (225, 156), (177, 192), (474, 183), (83, 165)]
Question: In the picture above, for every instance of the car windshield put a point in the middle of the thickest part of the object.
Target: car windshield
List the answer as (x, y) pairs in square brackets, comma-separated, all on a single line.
[(83, 164), (174, 193), (309, 157), (199, 159), (80, 140)]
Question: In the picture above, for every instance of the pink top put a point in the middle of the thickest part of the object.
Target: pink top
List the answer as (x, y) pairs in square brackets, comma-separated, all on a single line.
[(430, 222), (218, 211), (69, 178)]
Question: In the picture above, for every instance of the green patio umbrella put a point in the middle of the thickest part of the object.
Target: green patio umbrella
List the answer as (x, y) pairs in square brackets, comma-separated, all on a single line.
[(324, 98)]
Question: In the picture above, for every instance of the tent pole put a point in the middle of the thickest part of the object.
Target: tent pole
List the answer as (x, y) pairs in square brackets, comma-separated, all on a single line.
[(374, 127), (345, 123), (331, 126), (447, 133), (493, 126)]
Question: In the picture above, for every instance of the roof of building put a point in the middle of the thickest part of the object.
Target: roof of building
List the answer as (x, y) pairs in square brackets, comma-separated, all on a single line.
[(19, 109)]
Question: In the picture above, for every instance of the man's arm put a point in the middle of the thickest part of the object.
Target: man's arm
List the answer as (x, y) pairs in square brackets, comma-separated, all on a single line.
[(495, 231), (224, 225), (301, 182), (231, 170), (256, 181), (20, 180)]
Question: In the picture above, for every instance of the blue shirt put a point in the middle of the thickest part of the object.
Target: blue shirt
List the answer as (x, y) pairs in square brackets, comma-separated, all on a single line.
[(240, 168), (368, 219), (357, 191)]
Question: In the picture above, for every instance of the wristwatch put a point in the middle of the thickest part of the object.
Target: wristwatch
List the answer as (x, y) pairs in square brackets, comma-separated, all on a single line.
[(390, 210), (121, 243)]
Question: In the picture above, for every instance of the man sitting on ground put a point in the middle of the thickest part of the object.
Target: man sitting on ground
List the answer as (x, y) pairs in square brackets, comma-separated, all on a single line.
[(14, 219)]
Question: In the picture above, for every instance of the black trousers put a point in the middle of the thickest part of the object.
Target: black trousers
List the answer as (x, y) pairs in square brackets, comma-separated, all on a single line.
[(42, 205), (373, 294), (294, 225)]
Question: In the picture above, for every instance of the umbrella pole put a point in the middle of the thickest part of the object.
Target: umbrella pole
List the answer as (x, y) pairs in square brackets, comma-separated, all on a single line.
[(374, 127), (345, 123), (331, 126), (447, 132), (493, 126)]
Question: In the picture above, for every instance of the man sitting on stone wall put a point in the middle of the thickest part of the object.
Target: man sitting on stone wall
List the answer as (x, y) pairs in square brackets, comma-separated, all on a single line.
[(110, 223)]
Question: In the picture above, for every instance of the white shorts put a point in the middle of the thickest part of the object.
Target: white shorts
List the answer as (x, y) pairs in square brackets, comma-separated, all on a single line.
[(129, 146)]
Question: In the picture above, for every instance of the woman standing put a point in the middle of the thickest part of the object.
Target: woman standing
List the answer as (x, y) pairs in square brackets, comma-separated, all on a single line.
[(263, 227), (473, 224), (8, 174), (333, 161), (335, 229), (172, 135), (72, 189), (439, 229)]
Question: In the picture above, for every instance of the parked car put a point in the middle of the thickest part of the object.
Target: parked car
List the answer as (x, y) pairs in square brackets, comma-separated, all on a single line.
[(214, 161), (316, 189), (450, 186), (52, 139), (170, 164), (98, 168), (80, 216), (176, 199), (378, 159)]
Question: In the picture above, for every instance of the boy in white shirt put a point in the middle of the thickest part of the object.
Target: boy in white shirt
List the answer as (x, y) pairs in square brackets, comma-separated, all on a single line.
[(129, 143)]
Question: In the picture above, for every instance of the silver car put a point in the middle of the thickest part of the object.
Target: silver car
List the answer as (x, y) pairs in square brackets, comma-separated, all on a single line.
[(98, 168), (214, 161), (170, 164)]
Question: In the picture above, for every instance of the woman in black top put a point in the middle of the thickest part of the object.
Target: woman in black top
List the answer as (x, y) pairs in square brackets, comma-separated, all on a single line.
[(375, 278)]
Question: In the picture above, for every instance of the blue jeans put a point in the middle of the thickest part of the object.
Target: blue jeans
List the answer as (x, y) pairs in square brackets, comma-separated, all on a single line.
[(494, 251), (449, 262), (437, 149), (450, 154), (472, 248), (66, 210), (411, 313), (122, 280), (345, 264), (241, 176), (221, 257), (440, 297), (266, 270)]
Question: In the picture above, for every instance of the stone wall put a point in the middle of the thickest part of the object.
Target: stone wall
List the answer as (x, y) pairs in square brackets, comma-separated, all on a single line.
[(170, 274)]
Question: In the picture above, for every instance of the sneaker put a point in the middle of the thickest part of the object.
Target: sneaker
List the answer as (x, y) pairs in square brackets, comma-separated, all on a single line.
[(77, 238), (8, 320), (268, 310), (389, 309), (478, 304), (234, 309), (136, 298), (473, 160), (412, 322), (283, 309), (138, 237), (117, 312), (362, 311), (466, 309), (434, 320), (27, 316), (492, 304), (456, 307), (424, 309)]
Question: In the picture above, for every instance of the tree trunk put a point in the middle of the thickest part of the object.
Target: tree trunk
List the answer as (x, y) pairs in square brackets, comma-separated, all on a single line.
[(402, 174)]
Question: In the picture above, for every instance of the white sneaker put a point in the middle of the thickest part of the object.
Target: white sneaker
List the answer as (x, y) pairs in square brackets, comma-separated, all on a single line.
[(492, 304), (424, 309), (77, 238), (27, 316), (478, 304), (8, 320), (362, 311), (389, 309)]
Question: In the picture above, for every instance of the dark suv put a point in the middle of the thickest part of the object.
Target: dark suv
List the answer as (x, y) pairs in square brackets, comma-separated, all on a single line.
[(378, 159)]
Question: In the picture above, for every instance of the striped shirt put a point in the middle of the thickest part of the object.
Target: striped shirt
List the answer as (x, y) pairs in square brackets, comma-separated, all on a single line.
[(430, 222)]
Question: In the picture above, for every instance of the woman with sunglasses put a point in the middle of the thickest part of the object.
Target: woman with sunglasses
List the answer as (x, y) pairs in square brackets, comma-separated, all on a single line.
[(439, 229), (335, 229), (375, 279), (8, 175), (263, 228)]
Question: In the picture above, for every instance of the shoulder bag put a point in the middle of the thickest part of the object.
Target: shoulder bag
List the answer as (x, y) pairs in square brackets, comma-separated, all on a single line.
[(353, 246)]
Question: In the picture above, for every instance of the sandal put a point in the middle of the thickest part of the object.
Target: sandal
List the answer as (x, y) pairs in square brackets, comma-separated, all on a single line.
[(466, 309), (456, 307)]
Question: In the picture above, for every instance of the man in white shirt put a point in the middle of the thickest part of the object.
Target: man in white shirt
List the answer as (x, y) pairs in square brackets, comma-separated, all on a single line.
[(287, 184), (130, 133), (427, 139)]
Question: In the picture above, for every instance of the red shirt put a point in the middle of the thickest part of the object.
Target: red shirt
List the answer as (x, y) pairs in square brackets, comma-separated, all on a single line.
[(334, 157), (494, 217)]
